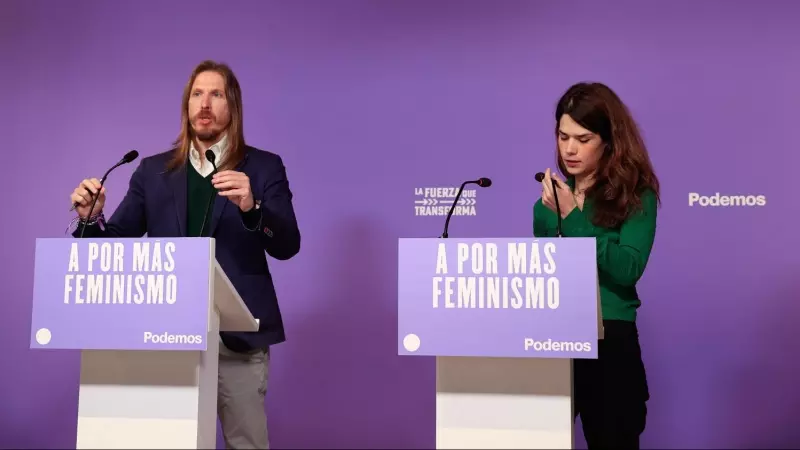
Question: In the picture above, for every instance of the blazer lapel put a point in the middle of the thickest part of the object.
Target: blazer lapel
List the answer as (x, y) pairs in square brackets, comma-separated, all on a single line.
[(220, 203), (177, 182)]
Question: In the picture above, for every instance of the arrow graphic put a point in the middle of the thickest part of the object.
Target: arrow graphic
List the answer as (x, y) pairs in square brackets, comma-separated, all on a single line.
[(427, 201), (434, 202)]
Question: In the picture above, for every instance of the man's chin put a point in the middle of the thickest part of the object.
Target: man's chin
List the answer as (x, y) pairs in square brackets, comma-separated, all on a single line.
[(206, 135)]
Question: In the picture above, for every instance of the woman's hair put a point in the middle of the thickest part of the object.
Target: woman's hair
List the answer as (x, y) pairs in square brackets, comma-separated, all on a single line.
[(624, 170)]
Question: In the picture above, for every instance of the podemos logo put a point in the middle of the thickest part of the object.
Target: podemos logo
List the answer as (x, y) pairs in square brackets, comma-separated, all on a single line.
[(718, 199)]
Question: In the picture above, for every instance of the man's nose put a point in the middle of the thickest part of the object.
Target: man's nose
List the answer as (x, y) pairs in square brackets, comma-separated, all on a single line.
[(205, 103)]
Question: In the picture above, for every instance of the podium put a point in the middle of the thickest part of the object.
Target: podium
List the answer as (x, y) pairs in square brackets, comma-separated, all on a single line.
[(145, 315), (504, 318)]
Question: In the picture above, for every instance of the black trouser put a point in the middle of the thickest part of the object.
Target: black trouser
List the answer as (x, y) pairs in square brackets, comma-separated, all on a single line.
[(611, 391)]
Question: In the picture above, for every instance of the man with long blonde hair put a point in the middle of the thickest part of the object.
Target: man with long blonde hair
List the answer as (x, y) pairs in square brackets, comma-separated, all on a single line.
[(245, 204)]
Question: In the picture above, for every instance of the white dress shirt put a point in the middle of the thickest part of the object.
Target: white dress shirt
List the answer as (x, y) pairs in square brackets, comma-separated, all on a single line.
[(203, 167)]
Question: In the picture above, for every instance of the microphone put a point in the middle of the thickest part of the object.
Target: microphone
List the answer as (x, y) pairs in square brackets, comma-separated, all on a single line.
[(482, 182), (130, 156), (211, 157), (539, 178)]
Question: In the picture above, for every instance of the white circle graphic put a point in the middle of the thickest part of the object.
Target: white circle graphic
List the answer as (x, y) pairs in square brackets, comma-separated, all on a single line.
[(43, 336), (411, 342)]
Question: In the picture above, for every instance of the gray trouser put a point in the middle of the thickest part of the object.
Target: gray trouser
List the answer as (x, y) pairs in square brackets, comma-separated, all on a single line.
[(240, 402)]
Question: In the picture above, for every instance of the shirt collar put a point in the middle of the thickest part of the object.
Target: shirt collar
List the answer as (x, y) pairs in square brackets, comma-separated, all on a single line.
[(219, 149)]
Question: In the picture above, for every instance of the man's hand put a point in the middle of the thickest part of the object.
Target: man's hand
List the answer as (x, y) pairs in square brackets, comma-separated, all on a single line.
[(235, 186), (84, 194)]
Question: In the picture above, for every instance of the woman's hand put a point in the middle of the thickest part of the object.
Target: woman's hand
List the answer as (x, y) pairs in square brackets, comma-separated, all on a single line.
[(566, 200)]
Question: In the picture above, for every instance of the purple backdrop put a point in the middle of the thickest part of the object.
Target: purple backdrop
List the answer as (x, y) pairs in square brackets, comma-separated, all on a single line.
[(368, 101)]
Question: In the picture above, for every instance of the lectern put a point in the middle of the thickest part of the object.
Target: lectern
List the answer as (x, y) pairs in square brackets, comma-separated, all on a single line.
[(145, 315), (504, 319)]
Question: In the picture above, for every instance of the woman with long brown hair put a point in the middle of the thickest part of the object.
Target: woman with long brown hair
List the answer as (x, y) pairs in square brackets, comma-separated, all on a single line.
[(610, 192)]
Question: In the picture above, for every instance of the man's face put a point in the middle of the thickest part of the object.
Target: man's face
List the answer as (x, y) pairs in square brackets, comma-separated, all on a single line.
[(208, 107)]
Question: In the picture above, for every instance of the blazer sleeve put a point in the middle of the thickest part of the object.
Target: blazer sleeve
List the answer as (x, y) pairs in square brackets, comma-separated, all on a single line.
[(275, 220), (128, 220)]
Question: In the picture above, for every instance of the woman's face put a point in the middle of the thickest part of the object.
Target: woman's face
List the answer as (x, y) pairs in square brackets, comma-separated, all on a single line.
[(579, 148)]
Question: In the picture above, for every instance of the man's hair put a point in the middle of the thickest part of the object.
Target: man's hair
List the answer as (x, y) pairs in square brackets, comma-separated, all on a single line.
[(233, 93)]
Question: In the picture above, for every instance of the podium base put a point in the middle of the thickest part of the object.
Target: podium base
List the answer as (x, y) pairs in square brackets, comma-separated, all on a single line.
[(149, 399), (504, 403)]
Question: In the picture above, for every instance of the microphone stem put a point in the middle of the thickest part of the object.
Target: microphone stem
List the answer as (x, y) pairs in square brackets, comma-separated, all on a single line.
[(452, 208), (102, 180), (211, 199), (558, 209), (94, 202)]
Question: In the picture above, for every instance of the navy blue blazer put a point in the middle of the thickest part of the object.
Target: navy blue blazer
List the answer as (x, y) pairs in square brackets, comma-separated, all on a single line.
[(155, 204)]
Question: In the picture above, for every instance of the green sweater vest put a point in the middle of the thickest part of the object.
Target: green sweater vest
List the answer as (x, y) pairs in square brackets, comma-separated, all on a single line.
[(198, 194), (622, 253)]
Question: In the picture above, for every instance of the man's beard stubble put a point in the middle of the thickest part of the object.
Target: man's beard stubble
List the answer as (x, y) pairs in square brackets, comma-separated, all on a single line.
[(209, 135)]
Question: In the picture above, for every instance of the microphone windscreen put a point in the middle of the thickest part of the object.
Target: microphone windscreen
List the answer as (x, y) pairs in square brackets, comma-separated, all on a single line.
[(130, 156), (540, 177), (210, 156)]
